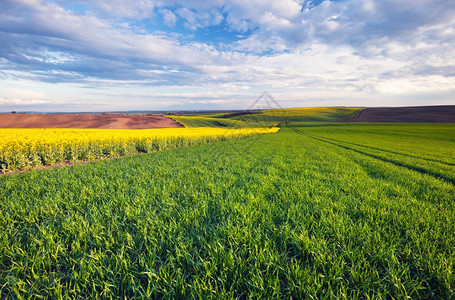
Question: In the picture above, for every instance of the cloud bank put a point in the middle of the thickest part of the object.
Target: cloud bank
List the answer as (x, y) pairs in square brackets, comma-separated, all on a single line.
[(219, 54)]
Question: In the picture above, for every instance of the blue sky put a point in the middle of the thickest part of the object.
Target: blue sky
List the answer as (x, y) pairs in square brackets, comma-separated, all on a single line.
[(103, 55)]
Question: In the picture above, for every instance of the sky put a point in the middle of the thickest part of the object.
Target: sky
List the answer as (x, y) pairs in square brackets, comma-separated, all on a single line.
[(111, 55)]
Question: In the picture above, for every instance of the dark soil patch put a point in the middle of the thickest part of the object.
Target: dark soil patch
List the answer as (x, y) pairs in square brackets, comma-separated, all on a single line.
[(417, 114)]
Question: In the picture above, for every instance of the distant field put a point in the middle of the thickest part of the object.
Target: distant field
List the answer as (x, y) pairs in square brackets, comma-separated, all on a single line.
[(209, 121), (417, 114), (102, 121), (267, 117), (310, 114), (318, 210)]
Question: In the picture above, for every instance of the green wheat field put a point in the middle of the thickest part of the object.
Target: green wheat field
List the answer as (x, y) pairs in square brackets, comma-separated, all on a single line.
[(320, 209)]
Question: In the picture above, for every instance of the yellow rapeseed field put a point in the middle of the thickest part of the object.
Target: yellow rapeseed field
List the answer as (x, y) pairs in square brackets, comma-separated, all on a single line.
[(21, 148)]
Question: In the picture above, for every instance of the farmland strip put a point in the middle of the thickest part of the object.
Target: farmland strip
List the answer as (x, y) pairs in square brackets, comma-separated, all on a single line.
[(292, 217), (392, 161), (393, 152)]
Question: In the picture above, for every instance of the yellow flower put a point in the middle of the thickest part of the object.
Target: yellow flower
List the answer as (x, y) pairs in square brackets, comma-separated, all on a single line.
[(84, 144)]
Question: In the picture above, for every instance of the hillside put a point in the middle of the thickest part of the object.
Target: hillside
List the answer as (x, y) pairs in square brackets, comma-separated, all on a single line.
[(114, 121), (417, 114)]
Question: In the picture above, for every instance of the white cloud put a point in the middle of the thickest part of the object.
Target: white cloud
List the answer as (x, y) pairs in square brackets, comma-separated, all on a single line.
[(21, 102), (338, 50), (169, 17), (22, 93)]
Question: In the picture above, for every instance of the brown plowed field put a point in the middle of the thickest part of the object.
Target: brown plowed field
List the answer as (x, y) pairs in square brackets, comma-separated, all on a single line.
[(418, 114), (85, 121)]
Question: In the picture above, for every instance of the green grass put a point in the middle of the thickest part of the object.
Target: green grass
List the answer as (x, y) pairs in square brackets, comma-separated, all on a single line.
[(316, 211)]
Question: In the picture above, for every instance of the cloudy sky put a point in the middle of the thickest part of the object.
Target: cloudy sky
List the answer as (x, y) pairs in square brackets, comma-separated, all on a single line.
[(101, 55)]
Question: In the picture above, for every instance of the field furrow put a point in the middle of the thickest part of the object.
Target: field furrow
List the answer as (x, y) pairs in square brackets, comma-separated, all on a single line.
[(443, 170), (426, 171)]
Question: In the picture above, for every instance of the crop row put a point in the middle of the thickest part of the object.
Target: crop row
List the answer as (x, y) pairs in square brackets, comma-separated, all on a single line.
[(291, 217), (23, 148), (442, 169)]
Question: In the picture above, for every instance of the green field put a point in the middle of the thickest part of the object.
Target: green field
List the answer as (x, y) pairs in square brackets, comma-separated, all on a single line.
[(268, 117), (318, 210), (210, 121), (309, 114)]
